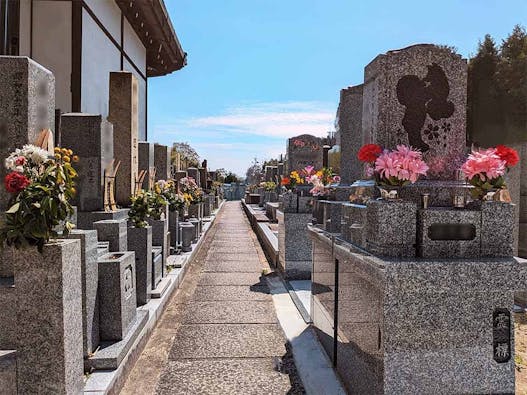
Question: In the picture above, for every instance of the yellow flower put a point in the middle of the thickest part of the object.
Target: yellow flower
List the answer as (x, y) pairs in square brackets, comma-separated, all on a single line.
[(70, 152), (64, 151), (66, 159), (57, 150), (73, 191), (58, 156), (75, 158)]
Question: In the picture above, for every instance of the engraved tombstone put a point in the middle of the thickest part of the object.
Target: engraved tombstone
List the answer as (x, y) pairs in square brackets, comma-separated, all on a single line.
[(123, 114), (146, 160), (91, 137), (27, 105), (304, 150), (417, 96), (162, 161)]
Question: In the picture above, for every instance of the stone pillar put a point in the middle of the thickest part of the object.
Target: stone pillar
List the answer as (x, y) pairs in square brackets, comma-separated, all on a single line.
[(91, 137), (162, 161), (90, 304), (140, 241), (27, 105), (203, 177), (146, 160), (49, 319), (123, 113), (114, 232), (349, 127)]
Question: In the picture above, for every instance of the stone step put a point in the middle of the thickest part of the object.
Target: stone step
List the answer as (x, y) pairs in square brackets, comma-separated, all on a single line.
[(161, 288)]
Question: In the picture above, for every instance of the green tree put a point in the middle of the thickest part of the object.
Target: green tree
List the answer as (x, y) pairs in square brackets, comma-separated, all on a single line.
[(221, 173), (484, 112), (188, 155), (231, 178), (254, 174), (512, 77)]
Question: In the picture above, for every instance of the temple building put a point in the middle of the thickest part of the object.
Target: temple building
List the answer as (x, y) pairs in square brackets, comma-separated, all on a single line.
[(82, 41)]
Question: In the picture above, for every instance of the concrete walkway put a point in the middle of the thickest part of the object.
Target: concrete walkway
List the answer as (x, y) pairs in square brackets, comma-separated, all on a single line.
[(219, 334)]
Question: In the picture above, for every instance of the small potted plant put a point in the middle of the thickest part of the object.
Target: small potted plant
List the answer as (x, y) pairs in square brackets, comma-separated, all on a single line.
[(484, 170), (193, 196), (392, 169), (270, 191)]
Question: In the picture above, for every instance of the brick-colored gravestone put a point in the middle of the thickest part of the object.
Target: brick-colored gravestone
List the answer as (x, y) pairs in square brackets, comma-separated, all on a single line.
[(146, 160), (123, 114), (349, 127), (417, 96), (162, 161), (91, 137), (304, 150), (27, 105)]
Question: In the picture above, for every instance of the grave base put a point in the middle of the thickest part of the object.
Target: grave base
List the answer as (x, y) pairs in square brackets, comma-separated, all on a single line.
[(111, 354), (85, 219), (161, 288)]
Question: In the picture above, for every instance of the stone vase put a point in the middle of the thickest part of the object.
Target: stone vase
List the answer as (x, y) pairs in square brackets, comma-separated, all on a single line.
[(173, 226), (140, 241), (49, 318)]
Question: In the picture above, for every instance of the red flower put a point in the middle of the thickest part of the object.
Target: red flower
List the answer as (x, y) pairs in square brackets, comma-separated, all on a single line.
[(369, 153), (285, 181), (16, 182), (20, 161), (508, 154)]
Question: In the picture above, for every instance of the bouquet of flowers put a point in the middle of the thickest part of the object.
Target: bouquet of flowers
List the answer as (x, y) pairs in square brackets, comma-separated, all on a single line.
[(168, 189), (269, 186), (321, 180), (484, 169), (393, 168), (41, 186), (191, 192), (294, 179)]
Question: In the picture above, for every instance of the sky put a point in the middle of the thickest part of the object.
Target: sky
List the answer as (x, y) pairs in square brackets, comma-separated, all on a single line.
[(261, 71)]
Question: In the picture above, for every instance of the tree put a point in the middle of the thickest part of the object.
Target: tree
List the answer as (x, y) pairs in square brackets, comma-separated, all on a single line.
[(254, 173), (484, 112), (270, 162), (512, 77), (231, 178), (221, 173), (187, 155)]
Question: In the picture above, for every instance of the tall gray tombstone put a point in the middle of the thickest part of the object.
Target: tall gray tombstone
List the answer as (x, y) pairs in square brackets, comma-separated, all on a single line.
[(194, 173), (91, 137), (203, 177), (146, 159), (349, 127), (123, 114), (162, 161), (417, 96), (304, 150), (27, 105)]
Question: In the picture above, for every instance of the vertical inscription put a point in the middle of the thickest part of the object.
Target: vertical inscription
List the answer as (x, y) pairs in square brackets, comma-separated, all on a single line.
[(501, 334)]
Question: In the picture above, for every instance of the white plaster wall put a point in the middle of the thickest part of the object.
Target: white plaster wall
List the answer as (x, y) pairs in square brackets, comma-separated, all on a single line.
[(142, 101), (134, 47), (52, 19), (109, 13), (99, 58), (25, 28)]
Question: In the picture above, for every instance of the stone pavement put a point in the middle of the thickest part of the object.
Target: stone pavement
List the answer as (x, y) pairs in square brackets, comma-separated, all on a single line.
[(219, 333)]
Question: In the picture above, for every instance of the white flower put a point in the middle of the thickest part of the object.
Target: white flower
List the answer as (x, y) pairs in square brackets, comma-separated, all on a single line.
[(35, 154)]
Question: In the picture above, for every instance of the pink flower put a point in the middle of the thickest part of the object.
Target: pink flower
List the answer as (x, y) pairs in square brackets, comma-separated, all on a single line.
[(485, 164), (403, 164), (20, 161), (336, 179), (309, 169)]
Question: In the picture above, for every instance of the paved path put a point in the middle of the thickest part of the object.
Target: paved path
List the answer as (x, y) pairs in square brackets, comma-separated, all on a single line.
[(219, 334)]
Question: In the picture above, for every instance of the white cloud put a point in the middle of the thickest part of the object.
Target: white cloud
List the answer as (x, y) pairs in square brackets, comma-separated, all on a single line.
[(285, 120), (233, 138)]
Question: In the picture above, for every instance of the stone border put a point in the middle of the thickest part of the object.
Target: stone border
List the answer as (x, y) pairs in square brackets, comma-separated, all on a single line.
[(111, 381)]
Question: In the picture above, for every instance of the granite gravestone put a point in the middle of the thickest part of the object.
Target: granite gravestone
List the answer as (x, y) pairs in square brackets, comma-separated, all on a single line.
[(194, 173), (27, 105), (304, 150), (349, 128), (146, 160), (417, 96), (91, 137), (123, 114), (162, 161)]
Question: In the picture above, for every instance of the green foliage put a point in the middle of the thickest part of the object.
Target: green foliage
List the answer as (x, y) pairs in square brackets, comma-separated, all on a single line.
[(231, 178), (140, 209), (269, 186), (157, 203), (38, 209), (168, 189), (497, 91)]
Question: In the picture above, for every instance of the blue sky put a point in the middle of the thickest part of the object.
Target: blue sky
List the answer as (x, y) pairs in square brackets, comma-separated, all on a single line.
[(260, 71)]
